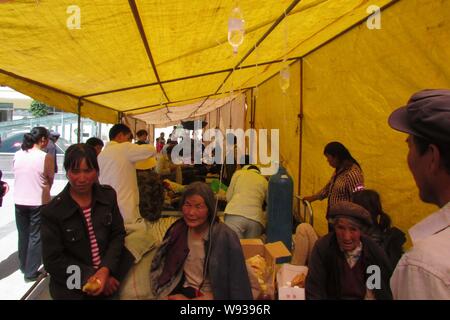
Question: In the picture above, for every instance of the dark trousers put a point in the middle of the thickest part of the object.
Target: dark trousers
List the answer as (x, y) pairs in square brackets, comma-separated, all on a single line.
[(28, 221)]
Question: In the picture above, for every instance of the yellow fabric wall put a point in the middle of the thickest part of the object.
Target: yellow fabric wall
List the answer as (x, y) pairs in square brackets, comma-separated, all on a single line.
[(275, 110), (352, 84)]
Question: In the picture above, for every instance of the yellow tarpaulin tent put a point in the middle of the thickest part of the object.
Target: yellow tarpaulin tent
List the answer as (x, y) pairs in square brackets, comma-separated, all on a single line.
[(138, 56), (349, 67)]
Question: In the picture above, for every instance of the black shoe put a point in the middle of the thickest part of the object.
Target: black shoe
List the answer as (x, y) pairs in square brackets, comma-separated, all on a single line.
[(35, 277)]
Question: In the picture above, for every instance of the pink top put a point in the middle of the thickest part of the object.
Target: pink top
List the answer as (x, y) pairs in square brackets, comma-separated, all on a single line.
[(33, 177), (95, 252)]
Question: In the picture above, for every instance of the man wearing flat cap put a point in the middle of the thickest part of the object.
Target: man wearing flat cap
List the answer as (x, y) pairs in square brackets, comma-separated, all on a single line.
[(424, 271), (339, 264)]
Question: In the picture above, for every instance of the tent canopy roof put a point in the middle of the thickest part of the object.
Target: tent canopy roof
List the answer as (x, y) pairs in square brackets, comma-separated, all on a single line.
[(161, 60)]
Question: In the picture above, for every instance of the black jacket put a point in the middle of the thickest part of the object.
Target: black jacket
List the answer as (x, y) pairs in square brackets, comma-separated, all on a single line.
[(65, 238), (323, 279), (391, 240)]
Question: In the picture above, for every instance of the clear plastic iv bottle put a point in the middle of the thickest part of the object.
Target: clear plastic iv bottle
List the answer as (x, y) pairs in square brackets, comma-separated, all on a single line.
[(236, 29)]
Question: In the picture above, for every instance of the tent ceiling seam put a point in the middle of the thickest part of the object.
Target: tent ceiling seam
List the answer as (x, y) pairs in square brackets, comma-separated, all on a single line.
[(277, 61), (231, 69), (156, 105), (349, 28), (140, 27), (325, 43), (37, 83), (185, 78), (13, 75), (264, 36)]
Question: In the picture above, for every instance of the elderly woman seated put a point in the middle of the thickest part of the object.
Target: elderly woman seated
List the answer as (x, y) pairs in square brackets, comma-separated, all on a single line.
[(340, 261), (199, 257)]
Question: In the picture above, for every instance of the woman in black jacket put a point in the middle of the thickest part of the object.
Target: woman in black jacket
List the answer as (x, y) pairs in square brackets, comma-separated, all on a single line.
[(82, 232)]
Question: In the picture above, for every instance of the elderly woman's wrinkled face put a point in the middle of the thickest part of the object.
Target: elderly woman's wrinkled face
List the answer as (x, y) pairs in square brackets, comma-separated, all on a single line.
[(195, 212), (348, 234)]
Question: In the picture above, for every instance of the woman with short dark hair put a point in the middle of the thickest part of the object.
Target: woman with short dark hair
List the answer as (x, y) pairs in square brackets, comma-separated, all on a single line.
[(33, 179), (82, 229)]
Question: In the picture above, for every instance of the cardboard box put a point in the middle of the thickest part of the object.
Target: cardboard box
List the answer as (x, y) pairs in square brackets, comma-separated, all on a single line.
[(270, 252), (284, 275)]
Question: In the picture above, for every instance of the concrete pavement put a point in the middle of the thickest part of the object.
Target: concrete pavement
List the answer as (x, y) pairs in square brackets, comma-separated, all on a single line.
[(12, 284)]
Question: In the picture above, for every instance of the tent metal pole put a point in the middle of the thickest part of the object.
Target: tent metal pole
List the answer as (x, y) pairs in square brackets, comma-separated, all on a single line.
[(153, 133), (140, 27), (300, 125), (79, 120), (254, 113), (250, 110)]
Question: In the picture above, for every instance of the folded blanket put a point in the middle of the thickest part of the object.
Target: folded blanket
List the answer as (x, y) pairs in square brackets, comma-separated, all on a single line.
[(140, 238)]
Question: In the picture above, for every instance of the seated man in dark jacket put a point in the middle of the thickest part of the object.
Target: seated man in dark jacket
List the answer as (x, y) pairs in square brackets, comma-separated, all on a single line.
[(345, 264)]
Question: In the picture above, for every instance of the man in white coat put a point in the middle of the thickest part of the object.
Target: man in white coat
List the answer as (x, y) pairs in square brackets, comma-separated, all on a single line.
[(117, 169)]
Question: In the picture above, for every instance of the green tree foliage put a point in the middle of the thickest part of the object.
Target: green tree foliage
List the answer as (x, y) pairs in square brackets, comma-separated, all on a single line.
[(39, 109)]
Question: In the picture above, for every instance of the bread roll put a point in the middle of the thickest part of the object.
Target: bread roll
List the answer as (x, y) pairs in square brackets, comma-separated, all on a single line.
[(92, 285), (298, 280)]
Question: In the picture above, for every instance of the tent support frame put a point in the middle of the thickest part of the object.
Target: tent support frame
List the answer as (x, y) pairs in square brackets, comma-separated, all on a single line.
[(140, 27), (79, 104), (300, 131)]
